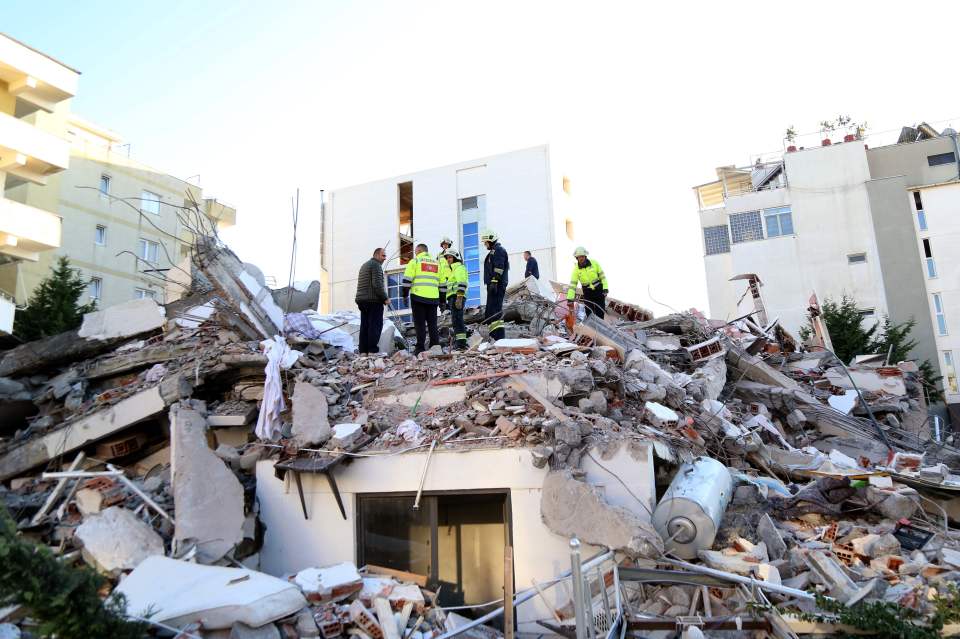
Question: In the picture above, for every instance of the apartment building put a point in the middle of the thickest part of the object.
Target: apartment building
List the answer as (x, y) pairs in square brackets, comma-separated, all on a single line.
[(126, 226), (876, 224), (522, 195), (32, 151)]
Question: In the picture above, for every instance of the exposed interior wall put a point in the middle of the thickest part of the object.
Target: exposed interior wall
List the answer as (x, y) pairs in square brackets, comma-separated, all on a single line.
[(327, 538)]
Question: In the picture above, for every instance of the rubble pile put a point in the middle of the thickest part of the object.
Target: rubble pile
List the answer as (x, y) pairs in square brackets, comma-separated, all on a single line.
[(132, 443)]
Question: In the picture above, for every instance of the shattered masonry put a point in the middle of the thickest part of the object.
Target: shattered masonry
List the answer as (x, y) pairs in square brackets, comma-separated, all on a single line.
[(132, 444)]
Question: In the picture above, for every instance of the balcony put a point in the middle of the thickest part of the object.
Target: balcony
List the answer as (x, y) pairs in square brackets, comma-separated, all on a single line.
[(30, 153), (34, 77), (762, 176), (26, 231), (224, 215)]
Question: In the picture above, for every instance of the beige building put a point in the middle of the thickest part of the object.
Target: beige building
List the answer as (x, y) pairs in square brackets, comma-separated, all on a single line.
[(33, 150), (126, 226)]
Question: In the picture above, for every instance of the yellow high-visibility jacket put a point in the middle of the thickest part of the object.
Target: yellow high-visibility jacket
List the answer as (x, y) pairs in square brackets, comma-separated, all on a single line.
[(422, 278), (590, 276), (444, 273), (458, 281)]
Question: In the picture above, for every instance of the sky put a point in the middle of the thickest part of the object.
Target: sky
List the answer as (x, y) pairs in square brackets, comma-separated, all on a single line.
[(261, 99)]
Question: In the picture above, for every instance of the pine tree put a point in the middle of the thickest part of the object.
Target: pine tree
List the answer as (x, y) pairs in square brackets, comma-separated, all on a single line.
[(844, 323), (54, 306)]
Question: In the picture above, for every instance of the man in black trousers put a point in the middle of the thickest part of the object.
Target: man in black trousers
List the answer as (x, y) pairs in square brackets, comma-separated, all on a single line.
[(371, 298)]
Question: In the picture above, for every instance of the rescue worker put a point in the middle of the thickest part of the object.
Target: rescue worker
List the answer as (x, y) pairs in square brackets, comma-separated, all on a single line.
[(445, 243), (421, 280), (457, 284), (496, 267), (588, 274)]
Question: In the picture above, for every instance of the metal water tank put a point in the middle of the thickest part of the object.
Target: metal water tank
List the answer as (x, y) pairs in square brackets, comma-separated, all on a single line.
[(690, 512)]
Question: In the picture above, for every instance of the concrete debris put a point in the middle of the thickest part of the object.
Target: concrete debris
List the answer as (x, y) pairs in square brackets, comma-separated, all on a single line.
[(116, 540), (817, 486), (574, 508), (207, 495)]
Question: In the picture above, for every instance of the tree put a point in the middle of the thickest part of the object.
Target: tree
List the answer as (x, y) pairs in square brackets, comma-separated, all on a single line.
[(55, 306), (850, 339)]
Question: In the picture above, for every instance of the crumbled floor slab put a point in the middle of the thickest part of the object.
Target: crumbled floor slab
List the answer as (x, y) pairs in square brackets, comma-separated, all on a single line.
[(430, 397), (116, 540), (207, 496), (331, 583), (570, 507), (123, 320)]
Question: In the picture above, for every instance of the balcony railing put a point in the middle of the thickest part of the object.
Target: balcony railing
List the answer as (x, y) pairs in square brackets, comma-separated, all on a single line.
[(30, 152)]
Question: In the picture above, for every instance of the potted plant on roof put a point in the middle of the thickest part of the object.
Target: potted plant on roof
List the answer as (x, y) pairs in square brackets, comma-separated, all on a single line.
[(790, 137), (826, 128)]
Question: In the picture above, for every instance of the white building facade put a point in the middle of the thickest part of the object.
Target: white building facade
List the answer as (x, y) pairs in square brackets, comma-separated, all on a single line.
[(521, 195), (843, 219)]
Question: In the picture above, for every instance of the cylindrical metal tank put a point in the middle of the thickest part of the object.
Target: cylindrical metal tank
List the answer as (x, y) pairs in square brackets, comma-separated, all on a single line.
[(689, 514)]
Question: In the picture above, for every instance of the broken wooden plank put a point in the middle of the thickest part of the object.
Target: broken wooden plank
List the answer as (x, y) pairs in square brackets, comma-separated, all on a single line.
[(508, 592), (399, 575), (524, 385)]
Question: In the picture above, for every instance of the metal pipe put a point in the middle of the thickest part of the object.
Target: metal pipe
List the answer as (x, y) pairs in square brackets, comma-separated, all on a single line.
[(576, 571), (747, 581), (423, 475), (526, 595)]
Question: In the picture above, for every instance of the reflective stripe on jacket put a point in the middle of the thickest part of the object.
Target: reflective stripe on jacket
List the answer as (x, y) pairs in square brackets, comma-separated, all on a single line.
[(422, 277), (496, 266), (458, 280), (591, 276)]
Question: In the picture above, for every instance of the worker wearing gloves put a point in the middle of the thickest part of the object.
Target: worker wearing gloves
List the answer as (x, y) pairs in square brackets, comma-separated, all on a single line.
[(445, 243), (496, 267), (421, 280), (588, 274), (457, 295)]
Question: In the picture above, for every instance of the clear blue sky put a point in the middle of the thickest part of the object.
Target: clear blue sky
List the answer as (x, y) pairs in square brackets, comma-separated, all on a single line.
[(260, 98)]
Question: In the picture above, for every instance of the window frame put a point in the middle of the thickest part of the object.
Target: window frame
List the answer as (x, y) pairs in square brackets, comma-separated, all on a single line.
[(108, 179), (144, 293), (100, 235), (144, 255), (950, 372), (940, 159), (939, 315), (778, 213), (399, 308), (155, 199), (854, 258), (96, 283)]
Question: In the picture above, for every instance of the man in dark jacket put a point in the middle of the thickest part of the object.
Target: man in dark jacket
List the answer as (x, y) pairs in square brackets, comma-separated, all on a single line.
[(532, 267), (371, 298), (496, 268)]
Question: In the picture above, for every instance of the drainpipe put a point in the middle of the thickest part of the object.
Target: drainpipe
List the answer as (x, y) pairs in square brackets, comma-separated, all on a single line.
[(956, 152)]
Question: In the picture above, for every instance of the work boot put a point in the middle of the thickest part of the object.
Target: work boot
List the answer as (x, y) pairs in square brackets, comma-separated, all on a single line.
[(461, 345)]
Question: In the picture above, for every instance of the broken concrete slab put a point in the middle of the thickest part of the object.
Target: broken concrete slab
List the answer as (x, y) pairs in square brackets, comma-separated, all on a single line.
[(430, 397), (344, 435), (570, 507), (241, 630), (756, 370), (207, 497), (661, 416), (331, 583), (80, 432), (88, 501), (770, 536), (310, 424), (887, 380), (127, 319), (117, 540), (396, 594), (181, 592)]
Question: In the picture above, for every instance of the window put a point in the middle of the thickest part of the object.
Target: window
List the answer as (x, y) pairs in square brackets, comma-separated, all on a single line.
[(779, 221), (866, 313), (100, 235), (405, 220), (745, 227), (938, 310), (949, 372), (143, 293), (928, 255), (921, 216), (941, 158), (395, 293), (455, 540), (857, 258), (473, 211), (149, 251), (104, 185), (95, 288), (150, 202), (716, 239)]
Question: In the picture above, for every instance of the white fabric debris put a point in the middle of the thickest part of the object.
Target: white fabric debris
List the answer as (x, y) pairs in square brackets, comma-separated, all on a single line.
[(279, 355), (410, 431)]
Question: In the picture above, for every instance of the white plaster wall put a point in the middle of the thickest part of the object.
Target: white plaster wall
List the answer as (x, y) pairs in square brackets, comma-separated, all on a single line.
[(831, 219), (292, 543), (942, 207), (519, 206)]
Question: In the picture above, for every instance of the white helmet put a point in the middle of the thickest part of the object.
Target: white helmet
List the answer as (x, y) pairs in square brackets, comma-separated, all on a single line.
[(488, 235), (451, 253), (446, 240), (580, 251)]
